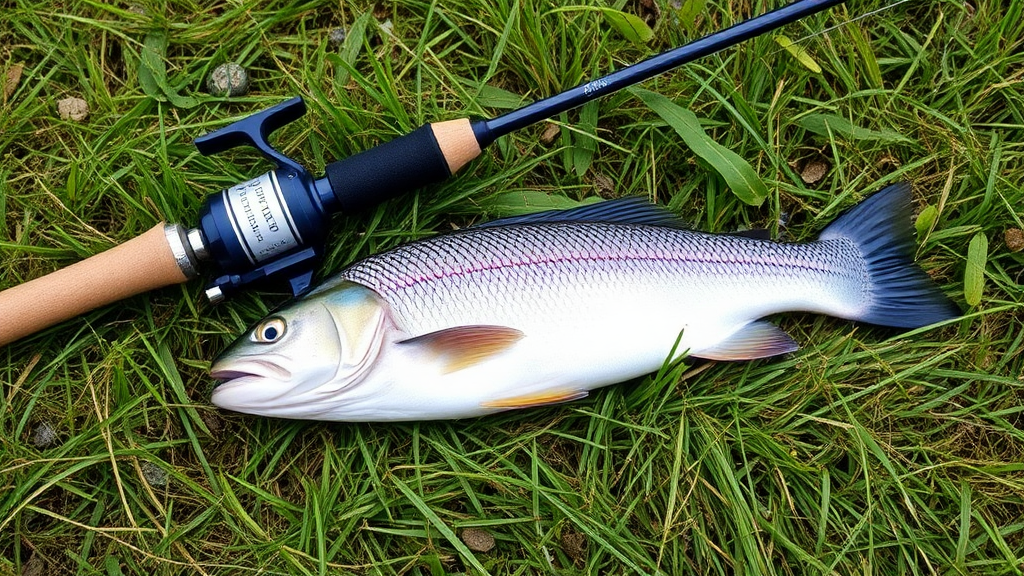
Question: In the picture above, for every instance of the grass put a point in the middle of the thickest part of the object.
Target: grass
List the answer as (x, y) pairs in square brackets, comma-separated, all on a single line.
[(866, 452)]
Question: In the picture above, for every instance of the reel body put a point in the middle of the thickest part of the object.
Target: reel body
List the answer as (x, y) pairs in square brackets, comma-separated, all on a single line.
[(274, 226)]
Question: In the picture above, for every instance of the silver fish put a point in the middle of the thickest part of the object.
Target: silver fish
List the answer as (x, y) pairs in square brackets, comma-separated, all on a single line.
[(541, 309)]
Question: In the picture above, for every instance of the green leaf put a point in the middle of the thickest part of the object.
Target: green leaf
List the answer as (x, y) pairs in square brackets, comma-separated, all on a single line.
[(585, 140), (493, 97), (180, 101), (824, 124), (151, 65), (798, 52), (688, 12), (974, 276), (631, 27), (737, 172), (965, 523), (113, 566), (925, 220), (529, 201), (352, 46), (865, 55), (153, 73)]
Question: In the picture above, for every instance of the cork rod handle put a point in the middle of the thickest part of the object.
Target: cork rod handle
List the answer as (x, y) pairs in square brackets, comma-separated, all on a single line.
[(457, 142), (143, 263)]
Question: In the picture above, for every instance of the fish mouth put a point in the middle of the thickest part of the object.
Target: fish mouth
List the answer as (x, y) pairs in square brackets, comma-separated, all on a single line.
[(224, 375), (227, 371), (247, 384)]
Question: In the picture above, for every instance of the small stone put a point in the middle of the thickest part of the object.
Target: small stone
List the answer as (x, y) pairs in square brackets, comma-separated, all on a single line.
[(336, 36), (73, 109), (550, 134), (44, 435), (13, 77), (35, 566), (1014, 238), (605, 185), (155, 475), (574, 544), (228, 79), (814, 170), (478, 539), (212, 421)]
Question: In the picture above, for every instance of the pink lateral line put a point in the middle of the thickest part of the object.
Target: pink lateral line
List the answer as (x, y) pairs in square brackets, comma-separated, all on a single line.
[(408, 281)]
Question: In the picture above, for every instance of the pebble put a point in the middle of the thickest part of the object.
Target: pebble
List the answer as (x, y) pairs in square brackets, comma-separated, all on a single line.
[(228, 79), (35, 566), (44, 435), (212, 421), (1014, 238), (336, 36), (12, 79), (73, 109), (478, 539), (574, 544), (550, 133), (605, 185), (814, 171), (155, 475)]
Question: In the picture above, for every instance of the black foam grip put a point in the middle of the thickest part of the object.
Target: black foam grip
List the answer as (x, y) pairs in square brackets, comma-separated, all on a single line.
[(402, 165)]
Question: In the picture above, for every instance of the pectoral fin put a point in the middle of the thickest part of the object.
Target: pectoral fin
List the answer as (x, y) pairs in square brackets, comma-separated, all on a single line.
[(755, 340), (539, 399), (464, 346)]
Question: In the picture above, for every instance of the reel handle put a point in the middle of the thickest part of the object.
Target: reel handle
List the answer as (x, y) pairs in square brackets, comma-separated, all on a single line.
[(159, 257)]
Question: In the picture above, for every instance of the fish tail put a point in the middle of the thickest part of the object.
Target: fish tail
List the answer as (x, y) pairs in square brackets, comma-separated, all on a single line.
[(902, 295)]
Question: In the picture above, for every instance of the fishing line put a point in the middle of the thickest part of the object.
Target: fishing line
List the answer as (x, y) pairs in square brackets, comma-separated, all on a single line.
[(850, 21), (840, 25)]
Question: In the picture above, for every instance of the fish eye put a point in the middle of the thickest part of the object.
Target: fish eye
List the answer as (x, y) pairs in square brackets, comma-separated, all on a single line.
[(269, 331)]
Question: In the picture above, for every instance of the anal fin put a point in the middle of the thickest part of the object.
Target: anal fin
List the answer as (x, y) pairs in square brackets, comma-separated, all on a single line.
[(755, 340), (464, 346), (538, 399)]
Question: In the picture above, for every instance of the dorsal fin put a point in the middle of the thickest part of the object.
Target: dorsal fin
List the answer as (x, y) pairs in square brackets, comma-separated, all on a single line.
[(755, 233), (629, 210)]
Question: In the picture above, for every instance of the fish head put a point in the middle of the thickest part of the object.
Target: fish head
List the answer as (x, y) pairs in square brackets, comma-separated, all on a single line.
[(297, 362)]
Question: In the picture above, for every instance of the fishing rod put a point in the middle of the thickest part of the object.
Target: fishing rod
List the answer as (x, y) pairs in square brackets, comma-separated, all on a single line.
[(274, 226)]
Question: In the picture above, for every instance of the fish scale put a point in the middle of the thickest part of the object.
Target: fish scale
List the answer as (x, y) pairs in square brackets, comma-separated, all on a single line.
[(573, 266)]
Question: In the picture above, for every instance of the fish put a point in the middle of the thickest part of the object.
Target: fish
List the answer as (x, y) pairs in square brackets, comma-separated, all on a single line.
[(541, 309)]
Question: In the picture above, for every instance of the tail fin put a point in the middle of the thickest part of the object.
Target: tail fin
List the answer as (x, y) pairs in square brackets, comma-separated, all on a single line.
[(902, 295)]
